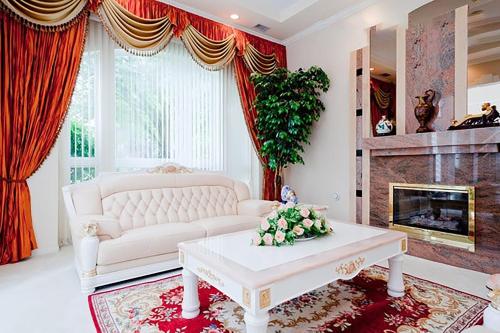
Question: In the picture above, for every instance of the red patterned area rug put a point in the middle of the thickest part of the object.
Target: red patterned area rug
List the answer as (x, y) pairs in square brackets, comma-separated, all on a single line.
[(358, 305)]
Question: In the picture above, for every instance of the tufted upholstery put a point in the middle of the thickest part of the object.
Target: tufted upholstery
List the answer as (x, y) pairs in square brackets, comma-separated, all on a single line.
[(134, 209)]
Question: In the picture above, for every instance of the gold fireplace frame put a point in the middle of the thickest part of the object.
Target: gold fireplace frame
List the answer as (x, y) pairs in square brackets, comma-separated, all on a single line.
[(432, 236)]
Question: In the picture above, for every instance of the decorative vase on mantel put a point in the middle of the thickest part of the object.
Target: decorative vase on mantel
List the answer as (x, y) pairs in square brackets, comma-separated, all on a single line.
[(425, 110)]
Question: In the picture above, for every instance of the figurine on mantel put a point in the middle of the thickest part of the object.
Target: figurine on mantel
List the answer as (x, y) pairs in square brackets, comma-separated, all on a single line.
[(425, 110), (489, 117), (384, 127)]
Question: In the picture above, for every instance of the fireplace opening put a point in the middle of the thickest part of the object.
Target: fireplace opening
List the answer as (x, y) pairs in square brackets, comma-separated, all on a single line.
[(435, 213)]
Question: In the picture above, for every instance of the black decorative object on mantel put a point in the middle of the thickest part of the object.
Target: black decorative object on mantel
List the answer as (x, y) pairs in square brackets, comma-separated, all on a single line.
[(489, 117)]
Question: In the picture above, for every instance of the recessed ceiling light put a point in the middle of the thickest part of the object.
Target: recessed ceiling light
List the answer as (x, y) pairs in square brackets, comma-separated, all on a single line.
[(372, 69), (234, 16)]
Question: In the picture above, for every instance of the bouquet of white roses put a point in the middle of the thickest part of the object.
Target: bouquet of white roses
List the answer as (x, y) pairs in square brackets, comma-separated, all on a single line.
[(288, 222)]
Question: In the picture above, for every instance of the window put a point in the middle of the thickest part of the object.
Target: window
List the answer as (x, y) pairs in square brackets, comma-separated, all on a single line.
[(130, 112), (82, 120), (168, 108)]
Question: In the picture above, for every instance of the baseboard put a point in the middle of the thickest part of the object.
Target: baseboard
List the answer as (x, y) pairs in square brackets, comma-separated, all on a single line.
[(46, 250)]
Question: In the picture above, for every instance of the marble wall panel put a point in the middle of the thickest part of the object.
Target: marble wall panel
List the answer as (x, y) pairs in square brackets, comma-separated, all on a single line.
[(430, 64)]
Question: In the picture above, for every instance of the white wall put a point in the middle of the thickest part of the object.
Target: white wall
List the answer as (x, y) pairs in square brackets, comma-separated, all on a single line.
[(329, 161), (44, 189)]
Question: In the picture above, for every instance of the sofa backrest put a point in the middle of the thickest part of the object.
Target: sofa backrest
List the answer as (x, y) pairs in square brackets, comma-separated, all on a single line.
[(137, 200)]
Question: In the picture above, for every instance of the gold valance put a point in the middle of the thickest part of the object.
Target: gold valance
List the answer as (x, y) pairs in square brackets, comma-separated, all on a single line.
[(142, 36), (211, 54), (259, 62), (133, 33), (148, 36), (48, 13)]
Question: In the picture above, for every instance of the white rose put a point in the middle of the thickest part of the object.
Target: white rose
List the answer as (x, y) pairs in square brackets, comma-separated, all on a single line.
[(257, 239), (298, 230), (268, 239), (307, 223), (264, 225), (304, 212), (282, 223), (280, 236)]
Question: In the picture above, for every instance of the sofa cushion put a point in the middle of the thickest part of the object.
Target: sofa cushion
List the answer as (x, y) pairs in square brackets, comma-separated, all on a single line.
[(148, 241), (226, 224)]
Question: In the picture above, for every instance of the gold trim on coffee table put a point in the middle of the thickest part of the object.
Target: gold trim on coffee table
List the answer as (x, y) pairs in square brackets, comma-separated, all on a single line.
[(246, 297), (264, 298), (350, 267), (433, 236)]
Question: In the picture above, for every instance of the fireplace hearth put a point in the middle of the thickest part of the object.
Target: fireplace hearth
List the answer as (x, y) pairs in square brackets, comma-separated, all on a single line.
[(435, 213)]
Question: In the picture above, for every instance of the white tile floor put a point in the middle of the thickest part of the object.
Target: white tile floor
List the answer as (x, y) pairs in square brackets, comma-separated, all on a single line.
[(42, 294)]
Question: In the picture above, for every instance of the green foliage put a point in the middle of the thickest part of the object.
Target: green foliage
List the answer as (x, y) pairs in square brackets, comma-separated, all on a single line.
[(289, 222), (287, 105), (82, 139), (81, 174)]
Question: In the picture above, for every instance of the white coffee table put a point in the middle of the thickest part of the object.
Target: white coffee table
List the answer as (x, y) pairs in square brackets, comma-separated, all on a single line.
[(260, 278)]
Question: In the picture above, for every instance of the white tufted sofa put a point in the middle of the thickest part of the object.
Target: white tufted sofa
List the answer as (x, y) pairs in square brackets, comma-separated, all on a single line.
[(128, 225)]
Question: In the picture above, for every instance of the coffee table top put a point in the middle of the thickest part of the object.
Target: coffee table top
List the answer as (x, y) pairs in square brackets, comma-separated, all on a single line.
[(234, 255)]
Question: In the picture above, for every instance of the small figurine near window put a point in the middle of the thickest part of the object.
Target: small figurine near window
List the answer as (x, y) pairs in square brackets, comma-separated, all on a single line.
[(288, 195)]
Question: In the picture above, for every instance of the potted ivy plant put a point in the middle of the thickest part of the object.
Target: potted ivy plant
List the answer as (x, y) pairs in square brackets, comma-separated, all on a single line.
[(287, 105)]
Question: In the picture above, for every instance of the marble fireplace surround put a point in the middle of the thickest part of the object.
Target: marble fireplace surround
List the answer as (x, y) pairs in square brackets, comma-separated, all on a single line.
[(464, 157)]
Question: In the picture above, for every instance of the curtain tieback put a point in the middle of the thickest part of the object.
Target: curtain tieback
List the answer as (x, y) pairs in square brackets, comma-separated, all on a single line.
[(10, 180)]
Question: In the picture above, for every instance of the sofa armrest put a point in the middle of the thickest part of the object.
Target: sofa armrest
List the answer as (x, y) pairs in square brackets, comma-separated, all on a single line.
[(105, 227), (256, 207), (87, 231)]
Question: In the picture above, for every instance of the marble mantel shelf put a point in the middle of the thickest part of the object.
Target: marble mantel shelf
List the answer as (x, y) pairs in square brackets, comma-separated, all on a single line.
[(479, 140)]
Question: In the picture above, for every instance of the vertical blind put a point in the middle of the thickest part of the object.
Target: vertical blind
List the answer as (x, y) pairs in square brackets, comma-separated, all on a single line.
[(168, 108), (82, 119)]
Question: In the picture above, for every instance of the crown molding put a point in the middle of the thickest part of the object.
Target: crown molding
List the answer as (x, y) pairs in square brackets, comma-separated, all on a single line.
[(323, 24), (221, 20)]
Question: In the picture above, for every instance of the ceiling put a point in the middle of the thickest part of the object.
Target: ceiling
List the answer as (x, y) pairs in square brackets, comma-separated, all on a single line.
[(284, 18)]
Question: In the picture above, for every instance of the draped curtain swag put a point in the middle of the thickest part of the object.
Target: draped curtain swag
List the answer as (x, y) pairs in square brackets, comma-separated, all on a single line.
[(42, 43), (137, 35), (47, 14)]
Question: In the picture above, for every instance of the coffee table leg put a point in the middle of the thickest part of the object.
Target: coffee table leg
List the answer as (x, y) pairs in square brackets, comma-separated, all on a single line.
[(190, 301), (395, 285), (256, 323)]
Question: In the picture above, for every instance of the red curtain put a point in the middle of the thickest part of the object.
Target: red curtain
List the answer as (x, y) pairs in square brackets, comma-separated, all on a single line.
[(38, 73), (217, 31)]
